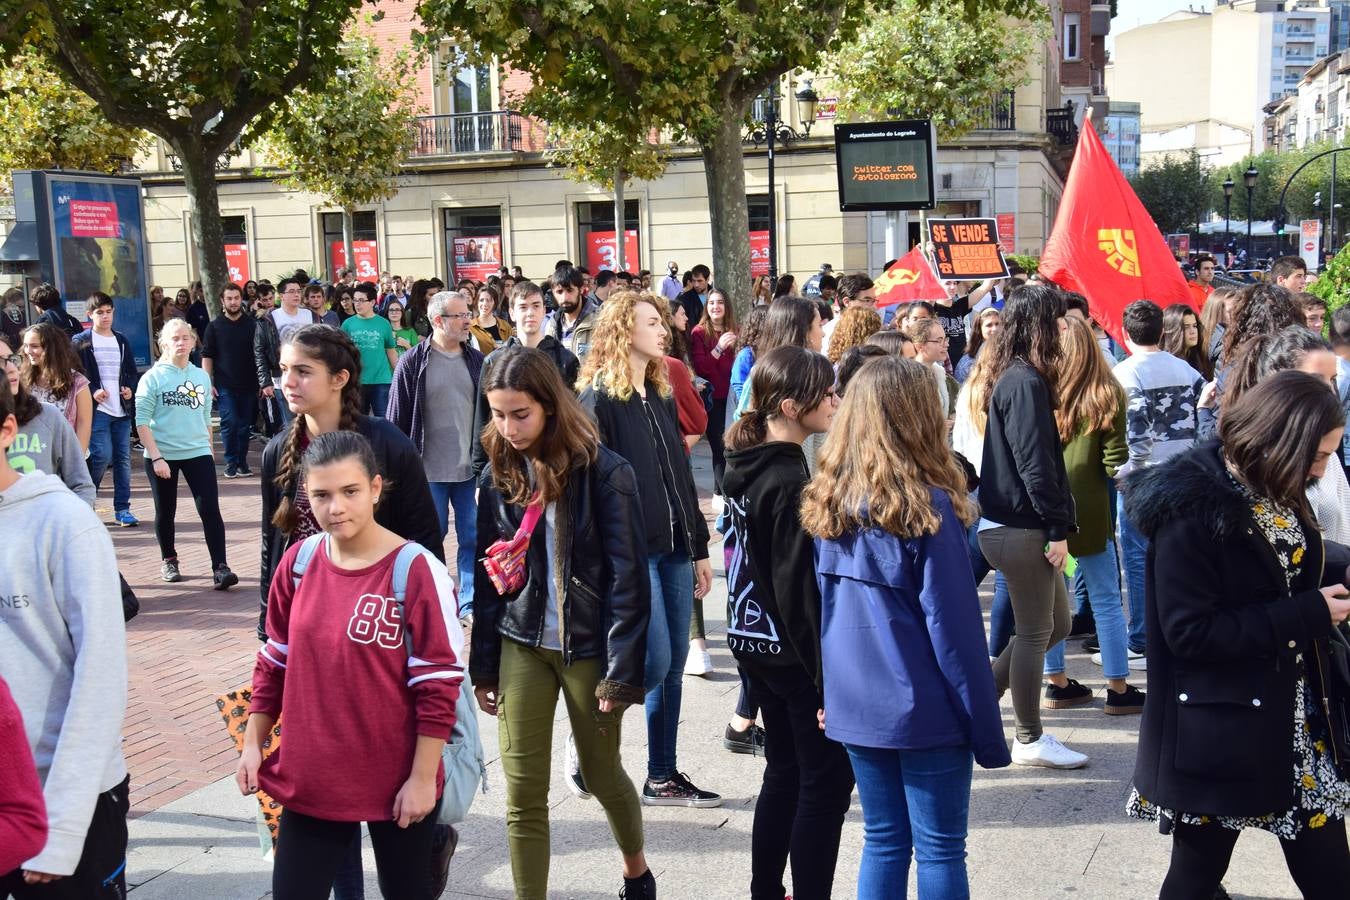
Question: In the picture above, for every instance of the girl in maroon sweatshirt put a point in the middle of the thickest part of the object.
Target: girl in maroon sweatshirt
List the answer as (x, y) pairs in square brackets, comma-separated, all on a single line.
[(346, 661)]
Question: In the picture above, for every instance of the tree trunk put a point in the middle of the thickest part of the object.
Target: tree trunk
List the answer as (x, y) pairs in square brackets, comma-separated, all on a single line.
[(347, 252), (620, 221), (724, 168), (199, 177)]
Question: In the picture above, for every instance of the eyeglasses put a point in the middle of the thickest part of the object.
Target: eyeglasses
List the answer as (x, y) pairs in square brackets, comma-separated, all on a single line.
[(14, 360), (462, 315)]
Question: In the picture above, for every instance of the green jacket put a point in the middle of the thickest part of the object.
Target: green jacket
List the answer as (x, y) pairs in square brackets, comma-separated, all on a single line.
[(1091, 460)]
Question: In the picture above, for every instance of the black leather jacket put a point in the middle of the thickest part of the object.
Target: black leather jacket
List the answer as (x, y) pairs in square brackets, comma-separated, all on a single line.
[(405, 509), (603, 589)]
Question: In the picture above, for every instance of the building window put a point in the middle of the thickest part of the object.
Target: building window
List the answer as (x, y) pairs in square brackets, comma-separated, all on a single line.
[(473, 242), (1073, 29), (364, 244), (597, 237)]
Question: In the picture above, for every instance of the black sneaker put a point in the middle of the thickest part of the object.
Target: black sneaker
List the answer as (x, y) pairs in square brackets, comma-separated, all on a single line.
[(168, 571), (678, 791), (572, 771), (231, 472), (224, 578), (244, 472), (1091, 645), (750, 741), (1128, 702), (1083, 624), (641, 888), (1072, 694)]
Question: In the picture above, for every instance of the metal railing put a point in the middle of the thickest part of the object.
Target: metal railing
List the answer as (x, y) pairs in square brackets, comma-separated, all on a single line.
[(497, 131), (1059, 123), (999, 114)]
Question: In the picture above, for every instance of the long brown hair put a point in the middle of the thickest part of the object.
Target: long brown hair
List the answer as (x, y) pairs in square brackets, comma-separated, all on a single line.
[(1174, 339), (886, 448), (607, 367), (728, 318), (788, 373), (1261, 309), (333, 349), (1029, 334), (1090, 395), (1273, 453), (569, 439), (856, 325), (59, 364)]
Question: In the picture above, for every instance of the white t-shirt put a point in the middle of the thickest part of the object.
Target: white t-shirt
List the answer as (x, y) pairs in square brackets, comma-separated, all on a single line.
[(287, 323), (108, 357)]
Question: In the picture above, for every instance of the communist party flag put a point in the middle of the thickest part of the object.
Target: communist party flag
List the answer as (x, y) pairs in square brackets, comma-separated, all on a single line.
[(909, 278), (1105, 245)]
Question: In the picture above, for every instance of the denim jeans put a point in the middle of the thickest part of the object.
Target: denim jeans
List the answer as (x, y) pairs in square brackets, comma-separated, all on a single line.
[(110, 445), (1101, 573), (462, 495), (374, 399), (238, 408), (914, 801), (1134, 551), (1001, 624), (672, 580)]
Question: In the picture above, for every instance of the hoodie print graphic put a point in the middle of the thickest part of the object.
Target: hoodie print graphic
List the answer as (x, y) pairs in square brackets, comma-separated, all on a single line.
[(749, 628)]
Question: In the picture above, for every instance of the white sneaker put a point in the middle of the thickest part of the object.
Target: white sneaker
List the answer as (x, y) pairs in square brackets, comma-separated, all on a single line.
[(1136, 660), (1047, 752), (698, 663), (718, 504), (572, 771)]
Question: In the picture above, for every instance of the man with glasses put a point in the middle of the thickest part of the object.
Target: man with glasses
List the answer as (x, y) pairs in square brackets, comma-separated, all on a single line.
[(431, 400), (273, 328), (374, 338)]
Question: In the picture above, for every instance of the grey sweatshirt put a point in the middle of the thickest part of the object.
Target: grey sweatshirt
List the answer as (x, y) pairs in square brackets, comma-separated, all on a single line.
[(48, 444), (63, 652)]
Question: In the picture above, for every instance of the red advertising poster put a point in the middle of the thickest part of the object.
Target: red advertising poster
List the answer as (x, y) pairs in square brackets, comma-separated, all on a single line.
[(1007, 231), (478, 257), (236, 258), (1180, 245), (827, 108), (759, 253), (602, 248), (94, 218), (367, 255)]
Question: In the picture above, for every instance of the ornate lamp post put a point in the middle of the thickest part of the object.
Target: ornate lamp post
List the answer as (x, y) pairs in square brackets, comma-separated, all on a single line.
[(770, 129), (1249, 179)]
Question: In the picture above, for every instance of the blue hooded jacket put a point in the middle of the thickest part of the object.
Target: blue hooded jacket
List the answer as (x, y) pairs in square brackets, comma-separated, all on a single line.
[(902, 642)]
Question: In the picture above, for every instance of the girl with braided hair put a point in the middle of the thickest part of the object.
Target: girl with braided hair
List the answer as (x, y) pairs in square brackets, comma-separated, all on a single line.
[(321, 383)]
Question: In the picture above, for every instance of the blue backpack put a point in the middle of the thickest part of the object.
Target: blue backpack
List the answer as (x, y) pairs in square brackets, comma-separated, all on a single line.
[(465, 768)]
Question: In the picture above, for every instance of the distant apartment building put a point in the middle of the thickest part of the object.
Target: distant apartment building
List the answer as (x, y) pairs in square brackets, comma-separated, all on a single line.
[(1119, 131)]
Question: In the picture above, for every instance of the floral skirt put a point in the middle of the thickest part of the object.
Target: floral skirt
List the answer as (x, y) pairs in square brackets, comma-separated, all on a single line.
[(1320, 793)]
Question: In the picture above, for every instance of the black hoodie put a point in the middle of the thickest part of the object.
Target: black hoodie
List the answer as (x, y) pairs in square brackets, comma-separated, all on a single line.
[(773, 603)]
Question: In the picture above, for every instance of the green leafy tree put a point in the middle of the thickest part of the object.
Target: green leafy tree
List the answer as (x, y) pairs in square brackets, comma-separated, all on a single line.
[(49, 125), (196, 73), (1175, 191), (691, 66), (950, 68), (1333, 284), (346, 139)]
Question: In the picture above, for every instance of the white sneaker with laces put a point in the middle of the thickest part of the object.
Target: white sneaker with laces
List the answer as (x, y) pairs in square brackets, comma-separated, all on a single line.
[(1137, 660), (699, 662), (572, 771), (1047, 752)]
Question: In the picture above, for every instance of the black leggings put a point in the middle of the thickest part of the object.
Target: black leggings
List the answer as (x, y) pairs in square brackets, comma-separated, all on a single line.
[(310, 850), (200, 475), (717, 423), (1318, 860)]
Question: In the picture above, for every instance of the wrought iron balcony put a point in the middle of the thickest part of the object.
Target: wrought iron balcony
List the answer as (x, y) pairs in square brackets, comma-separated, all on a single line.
[(1060, 125), (999, 114), (497, 131)]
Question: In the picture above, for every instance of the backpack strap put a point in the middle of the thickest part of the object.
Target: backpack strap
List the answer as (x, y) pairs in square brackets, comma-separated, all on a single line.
[(407, 554), (308, 548)]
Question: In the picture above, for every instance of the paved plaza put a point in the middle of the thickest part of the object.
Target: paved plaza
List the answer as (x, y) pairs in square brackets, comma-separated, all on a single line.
[(1033, 833)]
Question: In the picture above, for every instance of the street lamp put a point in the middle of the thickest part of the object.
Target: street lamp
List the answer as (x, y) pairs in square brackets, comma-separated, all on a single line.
[(770, 129), (1227, 213), (1249, 179)]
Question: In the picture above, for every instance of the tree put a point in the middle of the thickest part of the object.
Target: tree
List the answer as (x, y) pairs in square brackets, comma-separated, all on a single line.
[(49, 125), (950, 69), (1175, 191), (194, 72), (691, 66), (346, 139)]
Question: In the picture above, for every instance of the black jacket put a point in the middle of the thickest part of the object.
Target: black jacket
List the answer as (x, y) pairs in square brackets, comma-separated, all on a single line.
[(1223, 633), (1023, 483), (568, 367), (61, 319), (405, 508), (603, 591), (663, 474), (773, 604), (693, 306), (127, 374)]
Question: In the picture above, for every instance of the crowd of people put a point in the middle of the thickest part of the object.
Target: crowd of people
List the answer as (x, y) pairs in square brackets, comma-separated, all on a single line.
[(1179, 502)]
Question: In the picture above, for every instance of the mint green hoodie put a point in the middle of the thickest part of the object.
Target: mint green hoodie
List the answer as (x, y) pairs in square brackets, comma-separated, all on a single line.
[(176, 404)]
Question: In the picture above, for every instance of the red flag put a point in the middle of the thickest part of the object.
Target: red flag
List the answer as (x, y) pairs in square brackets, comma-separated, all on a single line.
[(1105, 245), (909, 278)]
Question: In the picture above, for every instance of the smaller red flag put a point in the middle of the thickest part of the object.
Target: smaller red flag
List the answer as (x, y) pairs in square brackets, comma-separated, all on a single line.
[(908, 279)]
